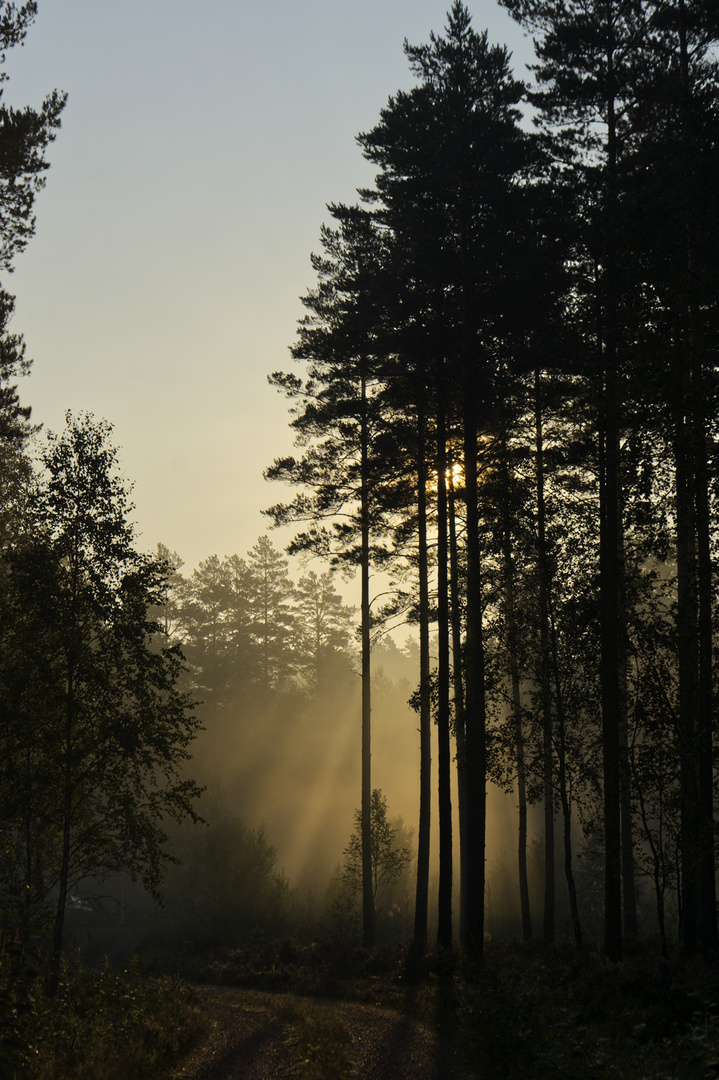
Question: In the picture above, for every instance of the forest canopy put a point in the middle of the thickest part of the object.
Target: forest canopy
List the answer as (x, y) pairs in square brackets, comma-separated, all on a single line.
[(508, 401)]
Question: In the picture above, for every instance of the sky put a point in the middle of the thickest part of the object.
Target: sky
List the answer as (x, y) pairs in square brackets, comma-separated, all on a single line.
[(199, 147)]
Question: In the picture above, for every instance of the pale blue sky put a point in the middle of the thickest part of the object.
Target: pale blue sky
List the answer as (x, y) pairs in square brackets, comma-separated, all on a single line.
[(199, 147)]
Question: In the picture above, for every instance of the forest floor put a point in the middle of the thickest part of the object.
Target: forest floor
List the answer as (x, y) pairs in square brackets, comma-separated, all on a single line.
[(280, 1011), (257, 1036)]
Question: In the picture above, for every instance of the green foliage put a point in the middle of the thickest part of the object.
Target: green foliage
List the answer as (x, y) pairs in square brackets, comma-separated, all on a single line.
[(322, 630), (391, 856), (388, 859), (250, 632), (25, 135), (114, 1024), (536, 1012), (226, 884), (94, 728)]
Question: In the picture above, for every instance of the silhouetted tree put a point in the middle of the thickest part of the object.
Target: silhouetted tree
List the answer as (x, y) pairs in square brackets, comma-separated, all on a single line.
[(388, 860), (95, 731), (451, 154), (339, 418), (25, 135), (272, 620), (322, 629)]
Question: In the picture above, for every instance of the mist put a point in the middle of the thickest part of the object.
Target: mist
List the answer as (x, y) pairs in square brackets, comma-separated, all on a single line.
[(280, 749)]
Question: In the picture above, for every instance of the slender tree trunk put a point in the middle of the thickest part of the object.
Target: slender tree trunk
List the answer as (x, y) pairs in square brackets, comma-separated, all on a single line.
[(458, 682), (544, 671), (473, 395), (563, 787), (522, 808), (609, 568), (657, 852), (509, 579), (609, 608), (58, 929), (705, 886), (475, 704), (687, 577), (368, 910), (444, 757), (687, 632), (425, 720), (707, 875), (629, 893)]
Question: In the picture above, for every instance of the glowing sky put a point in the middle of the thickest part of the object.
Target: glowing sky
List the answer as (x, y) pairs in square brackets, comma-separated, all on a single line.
[(199, 147)]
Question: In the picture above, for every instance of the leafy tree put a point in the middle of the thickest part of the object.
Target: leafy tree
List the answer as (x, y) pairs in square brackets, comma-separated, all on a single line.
[(169, 614), (205, 604), (95, 731), (680, 261), (227, 882), (388, 859), (25, 135), (628, 92)]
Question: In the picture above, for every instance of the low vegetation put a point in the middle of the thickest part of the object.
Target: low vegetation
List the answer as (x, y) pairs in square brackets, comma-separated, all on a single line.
[(109, 1024), (528, 1011)]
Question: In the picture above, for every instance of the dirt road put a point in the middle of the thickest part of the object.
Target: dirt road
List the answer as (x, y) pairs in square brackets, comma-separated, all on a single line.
[(255, 1036)]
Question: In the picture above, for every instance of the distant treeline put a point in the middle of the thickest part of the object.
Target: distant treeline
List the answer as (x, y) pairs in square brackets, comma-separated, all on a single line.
[(247, 630)]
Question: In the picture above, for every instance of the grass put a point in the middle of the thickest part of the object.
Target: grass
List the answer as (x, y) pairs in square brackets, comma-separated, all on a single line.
[(528, 1012), (543, 1013), (119, 1025)]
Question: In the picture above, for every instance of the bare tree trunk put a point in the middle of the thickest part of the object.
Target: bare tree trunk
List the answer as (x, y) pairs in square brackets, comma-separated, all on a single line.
[(707, 877), (59, 925), (458, 682), (629, 892), (368, 910), (544, 672), (475, 704), (425, 720), (563, 788), (444, 757), (609, 567), (705, 886), (509, 576)]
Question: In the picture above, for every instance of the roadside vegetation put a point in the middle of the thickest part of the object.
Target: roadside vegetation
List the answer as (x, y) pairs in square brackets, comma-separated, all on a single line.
[(528, 1011), (113, 1024)]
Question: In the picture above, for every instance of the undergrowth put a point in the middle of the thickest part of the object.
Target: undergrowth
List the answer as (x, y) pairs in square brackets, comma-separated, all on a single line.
[(529, 1011), (118, 1025)]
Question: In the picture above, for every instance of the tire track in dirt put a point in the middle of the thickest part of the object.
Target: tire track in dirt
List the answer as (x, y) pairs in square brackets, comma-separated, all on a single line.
[(256, 1036)]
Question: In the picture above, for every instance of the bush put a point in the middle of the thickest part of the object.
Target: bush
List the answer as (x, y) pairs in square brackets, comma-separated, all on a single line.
[(100, 1023)]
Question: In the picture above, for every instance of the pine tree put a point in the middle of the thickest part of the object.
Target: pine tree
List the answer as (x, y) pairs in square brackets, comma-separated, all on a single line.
[(450, 153), (339, 419)]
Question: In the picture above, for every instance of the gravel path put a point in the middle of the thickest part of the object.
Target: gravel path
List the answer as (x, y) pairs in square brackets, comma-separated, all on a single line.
[(257, 1036)]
